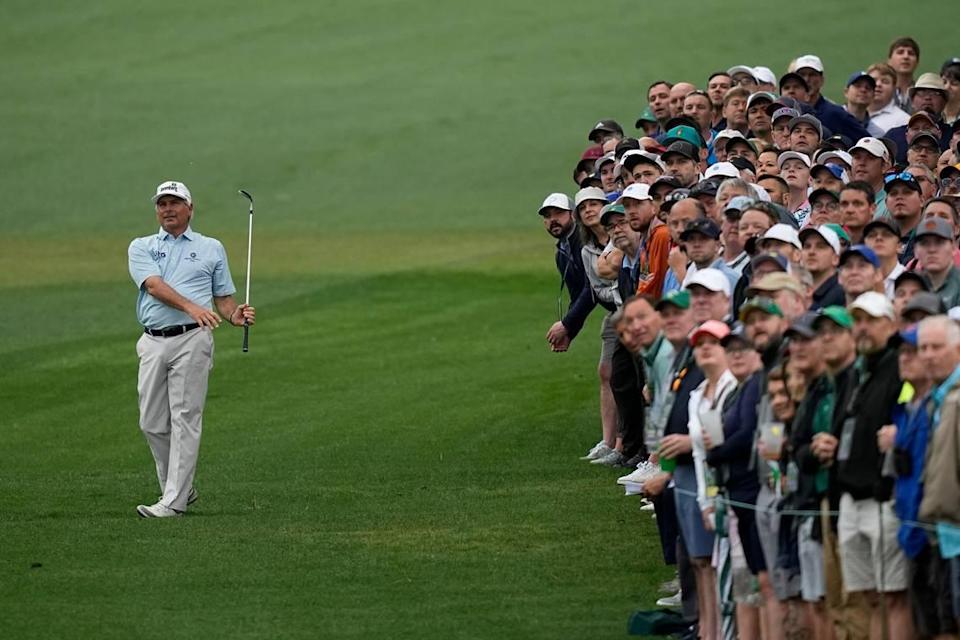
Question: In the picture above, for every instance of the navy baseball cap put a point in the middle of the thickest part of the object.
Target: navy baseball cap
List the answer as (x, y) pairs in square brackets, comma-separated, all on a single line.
[(703, 226), (857, 76), (683, 148), (864, 252)]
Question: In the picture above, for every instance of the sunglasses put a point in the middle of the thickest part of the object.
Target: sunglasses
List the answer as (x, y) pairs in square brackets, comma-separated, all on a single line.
[(903, 175)]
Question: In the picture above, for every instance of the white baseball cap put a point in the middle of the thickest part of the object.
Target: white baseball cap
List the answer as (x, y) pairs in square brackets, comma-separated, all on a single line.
[(637, 191), (874, 304), (172, 188), (793, 155), (829, 236), (784, 233), (842, 156), (760, 192), (728, 134), (872, 146), (741, 68), (764, 75), (649, 158), (725, 169), (558, 200), (711, 280), (587, 193), (808, 62)]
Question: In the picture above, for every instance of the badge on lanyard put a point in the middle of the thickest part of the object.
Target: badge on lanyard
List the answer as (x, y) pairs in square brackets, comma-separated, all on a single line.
[(846, 439)]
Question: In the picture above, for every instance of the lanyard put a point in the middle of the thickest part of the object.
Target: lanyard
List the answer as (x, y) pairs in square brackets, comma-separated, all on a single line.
[(938, 395)]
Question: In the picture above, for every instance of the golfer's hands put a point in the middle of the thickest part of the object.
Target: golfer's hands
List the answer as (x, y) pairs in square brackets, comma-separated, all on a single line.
[(203, 316), (243, 314)]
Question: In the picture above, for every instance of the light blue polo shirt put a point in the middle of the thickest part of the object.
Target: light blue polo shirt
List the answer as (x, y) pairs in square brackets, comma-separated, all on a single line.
[(194, 265)]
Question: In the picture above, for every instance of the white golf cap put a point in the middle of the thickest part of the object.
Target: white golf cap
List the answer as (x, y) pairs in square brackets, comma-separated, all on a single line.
[(637, 191), (587, 193), (808, 62), (741, 68), (842, 156), (558, 200), (728, 134), (784, 233), (642, 156), (875, 304), (604, 159), (872, 146), (760, 192), (793, 155), (725, 169), (711, 280), (954, 314), (829, 236), (764, 75), (172, 188)]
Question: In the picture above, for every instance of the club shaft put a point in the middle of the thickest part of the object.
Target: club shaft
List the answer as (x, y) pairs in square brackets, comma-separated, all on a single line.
[(249, 254)]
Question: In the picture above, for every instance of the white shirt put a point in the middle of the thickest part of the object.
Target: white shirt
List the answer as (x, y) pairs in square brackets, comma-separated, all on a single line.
[(706, 415), (889, 117), (891, 278)]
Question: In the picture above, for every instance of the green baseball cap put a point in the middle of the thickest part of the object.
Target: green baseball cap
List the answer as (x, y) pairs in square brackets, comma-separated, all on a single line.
[(646, 116), (840, 231), (679, 298), (840, 316), (763, 303), (611, 210), (681, 132)]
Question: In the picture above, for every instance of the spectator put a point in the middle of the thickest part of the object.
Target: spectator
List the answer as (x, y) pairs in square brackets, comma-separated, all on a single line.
[(824, 206), (905, 287), (904, 204), (806, 133), (814, 415), (927, 98), (658, 97), (924, 149), (681, 211), (559, 223), (735, 109), (810, 68), (767, 162), (776, 187), (939, 345), (903, 58), (870, 161), (682, 160), (785, 290), (593, 238), (678, 92), (821, 255), (926, 178), (643, 166), (701, 242), (795, 170), (935, 247), (950, 74), (859, 93), (883, 237), (859, 272), (857, 208), (885, 114), (734, 256), (758, 120), (871, 561), (831, 178), (718, 84), (783, 240)]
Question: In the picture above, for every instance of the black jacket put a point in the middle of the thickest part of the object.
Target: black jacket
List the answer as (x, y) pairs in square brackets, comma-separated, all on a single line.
[(870, 404), (828, 293), (687, 378), (570, 266)]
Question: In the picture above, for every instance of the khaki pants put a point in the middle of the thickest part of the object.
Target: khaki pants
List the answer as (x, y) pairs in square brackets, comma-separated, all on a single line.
[(172, 386), (848, 612)]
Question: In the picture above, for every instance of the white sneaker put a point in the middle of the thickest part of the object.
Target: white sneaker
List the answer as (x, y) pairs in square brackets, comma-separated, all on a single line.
[(612, 459), (674, 601), (644, 472), (632, 489), (647, 506), (599, 450), (158, 510)]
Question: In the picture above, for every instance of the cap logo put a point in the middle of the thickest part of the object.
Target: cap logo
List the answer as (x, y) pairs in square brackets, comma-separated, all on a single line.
[(931, 225)]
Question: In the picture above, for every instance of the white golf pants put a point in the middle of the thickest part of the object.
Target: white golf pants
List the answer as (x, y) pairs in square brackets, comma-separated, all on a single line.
[(172, 385)]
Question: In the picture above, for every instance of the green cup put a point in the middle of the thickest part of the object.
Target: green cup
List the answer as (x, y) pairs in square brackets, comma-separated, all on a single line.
[(668, 464)]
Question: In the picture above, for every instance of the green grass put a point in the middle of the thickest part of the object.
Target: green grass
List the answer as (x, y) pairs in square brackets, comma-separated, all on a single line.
[(396, 456)]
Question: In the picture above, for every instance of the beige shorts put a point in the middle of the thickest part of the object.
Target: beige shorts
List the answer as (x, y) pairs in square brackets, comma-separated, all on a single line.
[(870, 556)]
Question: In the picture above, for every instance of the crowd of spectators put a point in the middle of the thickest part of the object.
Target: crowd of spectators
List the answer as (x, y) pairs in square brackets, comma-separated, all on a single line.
[(779, 278)]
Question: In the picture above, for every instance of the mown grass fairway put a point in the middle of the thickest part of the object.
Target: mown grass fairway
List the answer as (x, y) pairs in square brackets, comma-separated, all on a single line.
[(396, 456)]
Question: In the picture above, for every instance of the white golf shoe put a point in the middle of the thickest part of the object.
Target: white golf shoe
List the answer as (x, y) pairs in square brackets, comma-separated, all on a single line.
[(158, 510)]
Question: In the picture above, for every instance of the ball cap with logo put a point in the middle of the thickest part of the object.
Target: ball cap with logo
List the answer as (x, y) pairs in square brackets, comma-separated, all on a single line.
[(557, 201), (712, 280), (872, 146), (172, 188), (602, 127), (874, 304), (935, 227)]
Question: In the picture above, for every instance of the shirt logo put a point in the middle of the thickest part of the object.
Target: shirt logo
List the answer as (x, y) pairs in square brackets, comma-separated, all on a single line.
[(158, 254), (192, 257)]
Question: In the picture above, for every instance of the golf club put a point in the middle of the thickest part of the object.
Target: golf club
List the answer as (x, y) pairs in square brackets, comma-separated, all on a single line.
[(246, 326)]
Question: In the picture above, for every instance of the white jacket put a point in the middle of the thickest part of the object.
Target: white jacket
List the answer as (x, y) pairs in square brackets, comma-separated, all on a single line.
[(707, 415)]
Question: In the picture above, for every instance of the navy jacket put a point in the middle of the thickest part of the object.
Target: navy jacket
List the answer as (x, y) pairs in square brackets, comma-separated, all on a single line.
[(735, 454), (688, 377), (570, 266), (838, 120), (829, 293), (899, 135)]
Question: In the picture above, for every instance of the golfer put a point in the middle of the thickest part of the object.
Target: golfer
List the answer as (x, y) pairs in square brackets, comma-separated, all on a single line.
[(181, 275)]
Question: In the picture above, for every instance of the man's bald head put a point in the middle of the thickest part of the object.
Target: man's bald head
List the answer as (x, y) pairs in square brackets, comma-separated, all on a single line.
[(677, 94)]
